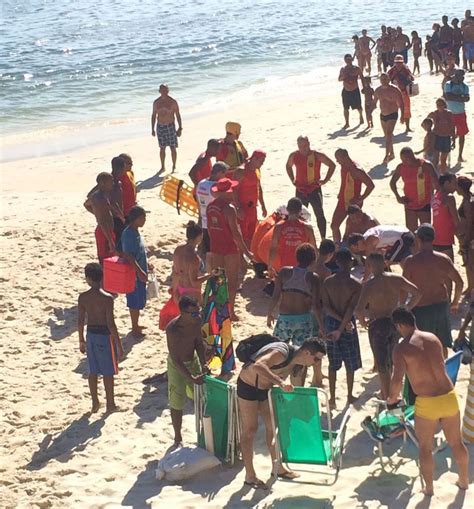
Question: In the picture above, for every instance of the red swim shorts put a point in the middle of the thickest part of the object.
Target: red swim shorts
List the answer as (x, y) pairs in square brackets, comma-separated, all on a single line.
[(103, 250), (248, 225), (460, 122)]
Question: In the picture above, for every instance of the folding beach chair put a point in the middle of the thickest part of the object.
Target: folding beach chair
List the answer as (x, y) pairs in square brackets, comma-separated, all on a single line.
[(298, 433), (217, 400), (388, 424)]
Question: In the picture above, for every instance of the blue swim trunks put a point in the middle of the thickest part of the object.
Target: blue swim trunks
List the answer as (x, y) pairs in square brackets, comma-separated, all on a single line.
[(296, 328), (101, 354), (346, 350), (137, 299)]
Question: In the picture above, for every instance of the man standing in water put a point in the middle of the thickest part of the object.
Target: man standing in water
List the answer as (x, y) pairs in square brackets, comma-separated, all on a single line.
[(391, 100), (419, 356), (349, 75), (380, 296), (165, 109)]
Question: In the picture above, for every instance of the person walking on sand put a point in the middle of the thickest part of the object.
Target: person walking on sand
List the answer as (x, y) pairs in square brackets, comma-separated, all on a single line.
[(365, 51), (444, 131), (431, 273), (269, 366), (340, 294), (419, 182), (456, 93), (350, 191), (417, 45), (349, 74), (402, 77), (102, 342), (308, 181), (186, 360), (420, 357), (297, 294), (165, 111), (379, 298), (391, 100), (134, 252), (369, 102), (226, 241), (401, 44)]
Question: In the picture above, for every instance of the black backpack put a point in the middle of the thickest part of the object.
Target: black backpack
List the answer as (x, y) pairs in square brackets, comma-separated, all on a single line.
[(250, 346)]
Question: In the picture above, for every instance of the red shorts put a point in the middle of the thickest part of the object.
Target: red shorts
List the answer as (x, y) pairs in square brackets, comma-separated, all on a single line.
[(460, 122), (103, 250), (248, 225)]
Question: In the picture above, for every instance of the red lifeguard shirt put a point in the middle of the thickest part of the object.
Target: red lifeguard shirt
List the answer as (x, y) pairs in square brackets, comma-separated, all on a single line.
[(129, 191), (220, 234), (443, 222), (350, 188), (293, 232), (248, 189), (204, 171), (308, 172), (417, 185)]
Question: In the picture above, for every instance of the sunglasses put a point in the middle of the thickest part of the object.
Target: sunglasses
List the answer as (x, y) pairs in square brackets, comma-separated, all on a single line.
[(194, 314)]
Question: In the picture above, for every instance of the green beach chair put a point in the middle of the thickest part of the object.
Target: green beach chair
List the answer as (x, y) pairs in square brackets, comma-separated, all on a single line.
[(217, 400), (298, 433)]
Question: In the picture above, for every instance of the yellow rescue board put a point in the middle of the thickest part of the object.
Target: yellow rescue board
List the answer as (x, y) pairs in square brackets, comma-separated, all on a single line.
[(179, 195)]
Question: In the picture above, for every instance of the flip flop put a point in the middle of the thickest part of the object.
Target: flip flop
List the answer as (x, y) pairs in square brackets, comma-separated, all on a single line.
[(256, 485), (288, 475)]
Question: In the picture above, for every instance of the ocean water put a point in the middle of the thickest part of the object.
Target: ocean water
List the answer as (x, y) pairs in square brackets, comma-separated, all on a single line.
[(83, 62)]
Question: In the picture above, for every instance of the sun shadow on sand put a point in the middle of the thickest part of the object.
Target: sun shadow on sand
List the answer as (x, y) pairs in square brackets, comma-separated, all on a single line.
[(257, 304), (379, 171), (150, 183), (397, 138), (64, 323), (153, 401), (341, 132), (396, 493), (301, 502), (73, 439)]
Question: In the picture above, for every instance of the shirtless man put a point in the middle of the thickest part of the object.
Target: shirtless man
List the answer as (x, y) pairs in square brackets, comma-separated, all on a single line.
[(256, 378), (203, 166), (391, 100), (358, 221), (380, 296), (365, 51), (100, 206), (102, 342), (467, 28), (225, 236), (297, 294), (419, 181), (420, 357), (385, 47), (165, 110), (431, 272), (308, 181), (350, 191), (340, 295), (401, 44), (186, 262), (350, 91), (446, 34), (186, 360)]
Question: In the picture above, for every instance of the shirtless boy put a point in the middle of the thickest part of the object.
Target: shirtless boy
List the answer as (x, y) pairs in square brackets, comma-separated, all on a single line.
[(380, 296), (165, 109), (431, 272), (419, 356), (102, 343), (350, 91), (340, 295), (186, 360), (444, 131), (391, 100)]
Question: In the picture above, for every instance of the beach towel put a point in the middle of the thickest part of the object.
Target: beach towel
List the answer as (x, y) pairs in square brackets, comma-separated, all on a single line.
[(216, 326)]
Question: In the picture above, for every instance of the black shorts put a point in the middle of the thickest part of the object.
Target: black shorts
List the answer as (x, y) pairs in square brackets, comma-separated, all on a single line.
[(249, 392), (351, 99), (390, 116), (206, 241), (401, 249), (383, 337), (118, 229), (442, 144)]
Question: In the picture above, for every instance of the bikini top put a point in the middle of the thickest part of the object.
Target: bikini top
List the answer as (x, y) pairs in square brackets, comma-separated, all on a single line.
[(298, 282)]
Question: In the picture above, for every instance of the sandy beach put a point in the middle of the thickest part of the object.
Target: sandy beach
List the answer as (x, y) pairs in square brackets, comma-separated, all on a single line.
[(51, 454)]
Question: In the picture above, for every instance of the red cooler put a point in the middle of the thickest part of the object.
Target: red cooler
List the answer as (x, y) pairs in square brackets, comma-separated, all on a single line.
[(119, 275)]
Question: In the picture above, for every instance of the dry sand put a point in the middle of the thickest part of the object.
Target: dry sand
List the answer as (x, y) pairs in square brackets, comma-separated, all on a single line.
[(54, 456)]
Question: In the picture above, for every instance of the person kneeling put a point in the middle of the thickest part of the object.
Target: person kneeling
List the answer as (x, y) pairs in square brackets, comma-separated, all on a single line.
[(268, 366)]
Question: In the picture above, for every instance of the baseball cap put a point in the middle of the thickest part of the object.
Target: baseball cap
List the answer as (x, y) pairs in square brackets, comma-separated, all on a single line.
[(399, 58)]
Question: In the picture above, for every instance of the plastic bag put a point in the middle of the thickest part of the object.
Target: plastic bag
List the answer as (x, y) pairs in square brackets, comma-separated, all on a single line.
[(152, 288), (413, 89), (185, 462), (169, 311)]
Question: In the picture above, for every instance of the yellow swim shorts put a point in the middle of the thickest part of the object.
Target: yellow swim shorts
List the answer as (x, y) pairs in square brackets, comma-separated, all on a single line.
[(178, 386), (437, 407)]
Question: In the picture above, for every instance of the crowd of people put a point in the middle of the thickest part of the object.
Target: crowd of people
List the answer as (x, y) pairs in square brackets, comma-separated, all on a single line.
[(321, 303)]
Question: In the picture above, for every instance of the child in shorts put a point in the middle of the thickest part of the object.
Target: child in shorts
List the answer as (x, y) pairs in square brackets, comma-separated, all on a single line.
[(428, 149), (444, 131), (368, 92)]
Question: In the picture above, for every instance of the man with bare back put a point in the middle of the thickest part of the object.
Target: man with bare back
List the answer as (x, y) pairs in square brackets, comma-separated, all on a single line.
[(380, 296), (391, 100), (419, 356), (349, 74), (165, 109)]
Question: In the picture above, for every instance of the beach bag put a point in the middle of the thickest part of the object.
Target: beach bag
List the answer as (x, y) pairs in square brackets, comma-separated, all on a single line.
[(413, 89), (185, 462), (248, 349), (152, 288), (169, 311)]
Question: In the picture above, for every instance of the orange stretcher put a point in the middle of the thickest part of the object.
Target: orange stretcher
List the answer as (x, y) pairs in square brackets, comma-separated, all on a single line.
[(179, 195)]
